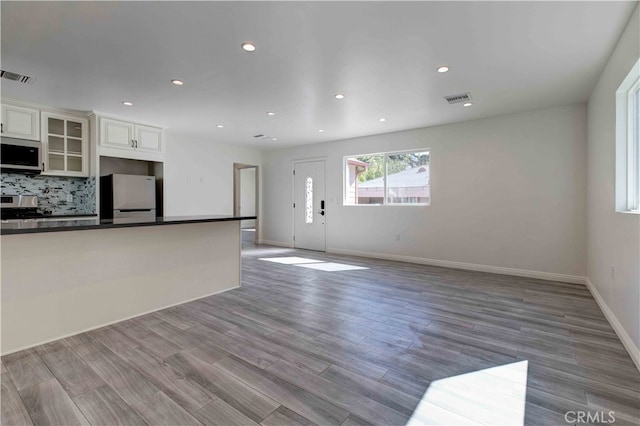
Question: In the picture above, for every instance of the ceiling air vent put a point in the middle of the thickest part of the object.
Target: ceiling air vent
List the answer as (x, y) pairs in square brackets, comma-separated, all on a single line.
[(20, 78), (456, 99), (261, 136)]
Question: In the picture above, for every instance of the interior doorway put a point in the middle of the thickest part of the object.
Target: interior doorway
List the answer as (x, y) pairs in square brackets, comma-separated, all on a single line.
[(246, 200)]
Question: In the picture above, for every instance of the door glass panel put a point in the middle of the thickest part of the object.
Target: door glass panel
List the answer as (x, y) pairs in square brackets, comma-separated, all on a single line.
[(56, 162), (56, 144), (74, 129), (74, 164), (56, 126), (308, 200), (74, 146)]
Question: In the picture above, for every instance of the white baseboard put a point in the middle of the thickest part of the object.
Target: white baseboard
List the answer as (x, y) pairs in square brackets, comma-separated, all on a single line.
[(633, 350), (549, 276), (276, 243), (116, 321)]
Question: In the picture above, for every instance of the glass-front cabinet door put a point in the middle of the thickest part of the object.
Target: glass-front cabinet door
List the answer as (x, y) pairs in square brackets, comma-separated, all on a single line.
[(64, 140)]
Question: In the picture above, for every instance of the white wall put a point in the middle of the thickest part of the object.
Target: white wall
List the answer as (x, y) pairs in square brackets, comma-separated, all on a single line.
[(198, 175), (506, 192), (613, 238), (248, 196)]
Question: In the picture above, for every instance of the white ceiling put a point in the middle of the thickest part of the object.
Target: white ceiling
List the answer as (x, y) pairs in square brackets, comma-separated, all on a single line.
[(511, 56)]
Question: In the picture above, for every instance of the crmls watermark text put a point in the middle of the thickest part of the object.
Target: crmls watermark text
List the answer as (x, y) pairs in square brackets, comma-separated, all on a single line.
[(577, 417)]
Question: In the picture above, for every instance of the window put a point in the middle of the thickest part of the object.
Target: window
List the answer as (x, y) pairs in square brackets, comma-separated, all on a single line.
[(628, 142), (387, 178), (634, 148)]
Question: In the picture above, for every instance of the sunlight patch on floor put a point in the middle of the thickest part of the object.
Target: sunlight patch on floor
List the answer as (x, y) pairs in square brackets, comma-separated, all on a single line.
[(318, 265), (290, 260), (331, 267), (491, 396), (248, 248)]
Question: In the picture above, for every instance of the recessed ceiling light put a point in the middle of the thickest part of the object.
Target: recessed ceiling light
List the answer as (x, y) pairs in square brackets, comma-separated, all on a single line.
[(249, 47), (467, 104), (271, 113), (219, 126), (443, 68), (320, 130), (339, 96), (177, 82), (127, 103), (274, 139), (382, 120)]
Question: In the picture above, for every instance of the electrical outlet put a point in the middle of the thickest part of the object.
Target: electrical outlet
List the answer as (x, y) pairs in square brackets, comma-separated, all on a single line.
[(69, 198), (397, 237)]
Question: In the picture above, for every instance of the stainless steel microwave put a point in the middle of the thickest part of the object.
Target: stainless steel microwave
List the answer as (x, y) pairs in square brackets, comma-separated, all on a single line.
[(20, 156)]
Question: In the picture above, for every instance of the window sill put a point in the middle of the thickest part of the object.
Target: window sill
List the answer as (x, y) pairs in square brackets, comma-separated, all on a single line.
[(637, 212)]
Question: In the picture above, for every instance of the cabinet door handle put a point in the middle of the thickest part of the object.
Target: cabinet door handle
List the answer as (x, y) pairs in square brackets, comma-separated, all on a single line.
[(1, 127), (132, 143), (136, 143), (43, 167)]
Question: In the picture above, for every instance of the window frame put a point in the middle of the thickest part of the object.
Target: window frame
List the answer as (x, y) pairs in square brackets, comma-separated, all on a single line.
[(633, 148), (384, 155), (627, 166)]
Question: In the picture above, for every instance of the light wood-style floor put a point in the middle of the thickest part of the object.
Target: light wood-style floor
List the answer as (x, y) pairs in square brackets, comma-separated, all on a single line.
[(392, 344)]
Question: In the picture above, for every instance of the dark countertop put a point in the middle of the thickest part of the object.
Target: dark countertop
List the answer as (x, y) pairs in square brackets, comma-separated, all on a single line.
[(50, 216), (61, 216), (34, 227)]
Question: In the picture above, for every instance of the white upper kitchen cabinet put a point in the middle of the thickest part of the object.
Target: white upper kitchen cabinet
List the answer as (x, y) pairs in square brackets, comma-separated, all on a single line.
[(65, 145), (20, 122), (115, 133), (123, 139), (149, 139)]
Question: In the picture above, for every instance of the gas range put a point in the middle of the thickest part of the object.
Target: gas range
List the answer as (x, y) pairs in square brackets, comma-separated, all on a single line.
[(19, 207)]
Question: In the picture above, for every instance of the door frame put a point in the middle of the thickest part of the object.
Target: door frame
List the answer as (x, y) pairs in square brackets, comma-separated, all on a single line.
[(237, 196), (293, 195)]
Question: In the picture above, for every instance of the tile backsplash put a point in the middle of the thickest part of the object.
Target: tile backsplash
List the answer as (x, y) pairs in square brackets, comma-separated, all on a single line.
[(52, 192)]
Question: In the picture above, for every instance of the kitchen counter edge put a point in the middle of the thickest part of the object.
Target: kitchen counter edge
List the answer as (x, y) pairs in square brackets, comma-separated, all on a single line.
[(93, 224)]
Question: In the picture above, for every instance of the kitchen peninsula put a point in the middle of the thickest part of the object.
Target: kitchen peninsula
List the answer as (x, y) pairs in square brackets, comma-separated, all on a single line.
[(56, 284)]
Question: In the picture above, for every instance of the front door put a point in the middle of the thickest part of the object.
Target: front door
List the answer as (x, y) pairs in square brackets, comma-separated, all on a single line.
[(309, 205)]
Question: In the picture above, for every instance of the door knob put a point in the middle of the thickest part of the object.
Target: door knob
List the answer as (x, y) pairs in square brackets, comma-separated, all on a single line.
[(321, 212)]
